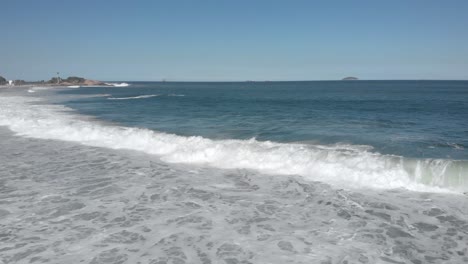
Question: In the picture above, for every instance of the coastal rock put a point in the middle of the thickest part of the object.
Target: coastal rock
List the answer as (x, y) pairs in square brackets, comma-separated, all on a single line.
[(93, 82), (56, 81), (74, 80)]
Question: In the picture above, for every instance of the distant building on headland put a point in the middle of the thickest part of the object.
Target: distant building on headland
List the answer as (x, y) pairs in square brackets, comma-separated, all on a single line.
[(350, 79), (4, 81)]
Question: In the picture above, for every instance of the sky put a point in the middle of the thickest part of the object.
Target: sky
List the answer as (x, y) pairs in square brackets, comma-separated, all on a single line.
[(220, 40)]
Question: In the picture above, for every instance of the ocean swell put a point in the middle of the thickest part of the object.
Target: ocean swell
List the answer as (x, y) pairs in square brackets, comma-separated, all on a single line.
[(341, 165)]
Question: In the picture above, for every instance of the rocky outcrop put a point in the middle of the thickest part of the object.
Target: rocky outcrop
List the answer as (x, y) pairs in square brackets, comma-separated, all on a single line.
[(3, 81), (93, 82), (73, 80)]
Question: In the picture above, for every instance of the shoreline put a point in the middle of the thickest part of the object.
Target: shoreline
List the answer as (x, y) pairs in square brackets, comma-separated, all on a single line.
[(172, 147), (89, 210)]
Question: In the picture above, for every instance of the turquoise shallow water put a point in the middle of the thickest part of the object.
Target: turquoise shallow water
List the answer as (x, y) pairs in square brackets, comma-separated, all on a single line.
[(416, 119)]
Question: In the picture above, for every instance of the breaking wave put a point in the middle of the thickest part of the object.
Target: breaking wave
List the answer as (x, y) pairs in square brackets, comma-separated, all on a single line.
[(341, 165), (38, 88), (133, 97), (118, 84)]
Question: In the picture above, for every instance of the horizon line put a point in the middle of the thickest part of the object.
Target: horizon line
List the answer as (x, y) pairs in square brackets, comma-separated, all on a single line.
[(248, 80), (262, 81)]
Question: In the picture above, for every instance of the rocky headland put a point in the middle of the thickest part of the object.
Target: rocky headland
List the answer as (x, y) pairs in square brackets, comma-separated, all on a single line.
[(56, 81)]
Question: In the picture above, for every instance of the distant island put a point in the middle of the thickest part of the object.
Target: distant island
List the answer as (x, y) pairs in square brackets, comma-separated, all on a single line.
[(350, 79)]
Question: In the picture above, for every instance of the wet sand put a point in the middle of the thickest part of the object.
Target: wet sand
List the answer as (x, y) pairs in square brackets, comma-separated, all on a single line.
[(63, 202)]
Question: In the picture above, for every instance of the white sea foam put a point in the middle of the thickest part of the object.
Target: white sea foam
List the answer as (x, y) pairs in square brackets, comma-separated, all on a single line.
[(119, 84), (342, 165), (133, 97), (176, 95), (39, 88), (455, 146)]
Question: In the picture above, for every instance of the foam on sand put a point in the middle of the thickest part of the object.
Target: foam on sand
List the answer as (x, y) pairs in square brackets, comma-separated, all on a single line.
[(342, 165), (64, 203)]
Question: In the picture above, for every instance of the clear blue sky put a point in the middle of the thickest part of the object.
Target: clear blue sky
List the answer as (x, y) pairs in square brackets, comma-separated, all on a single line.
[(234, 40)]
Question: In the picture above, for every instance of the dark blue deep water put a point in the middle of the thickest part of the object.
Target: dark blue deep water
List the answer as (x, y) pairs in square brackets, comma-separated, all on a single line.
[(423, 119)]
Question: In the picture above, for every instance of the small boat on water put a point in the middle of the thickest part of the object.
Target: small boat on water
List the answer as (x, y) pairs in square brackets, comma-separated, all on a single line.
[(74, 86)]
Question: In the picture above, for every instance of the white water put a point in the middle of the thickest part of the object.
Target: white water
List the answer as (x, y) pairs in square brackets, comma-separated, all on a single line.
[(39, 88), (133, 97), (119, 84), (65, 203), (341, 165)]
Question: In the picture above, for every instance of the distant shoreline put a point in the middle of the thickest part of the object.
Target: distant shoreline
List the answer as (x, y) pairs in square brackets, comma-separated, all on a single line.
[(112, 83)]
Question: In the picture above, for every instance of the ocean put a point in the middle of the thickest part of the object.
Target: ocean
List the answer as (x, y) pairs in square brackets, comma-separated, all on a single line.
[(235, 172)]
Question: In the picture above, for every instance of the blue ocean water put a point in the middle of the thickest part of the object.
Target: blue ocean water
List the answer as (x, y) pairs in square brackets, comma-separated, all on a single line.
[(415, 119), (287, 172)]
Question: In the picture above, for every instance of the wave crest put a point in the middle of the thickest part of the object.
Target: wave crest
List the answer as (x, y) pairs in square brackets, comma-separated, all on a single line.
[(133, 97), (119, 84), (342, 165)]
